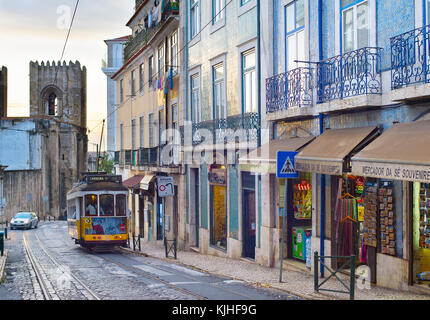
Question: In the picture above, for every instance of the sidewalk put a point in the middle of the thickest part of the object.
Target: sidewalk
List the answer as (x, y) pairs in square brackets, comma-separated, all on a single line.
[(3, 265), (295, 282)]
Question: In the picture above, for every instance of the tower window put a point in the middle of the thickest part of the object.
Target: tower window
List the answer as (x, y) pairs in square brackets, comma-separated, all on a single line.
[(52, 104)]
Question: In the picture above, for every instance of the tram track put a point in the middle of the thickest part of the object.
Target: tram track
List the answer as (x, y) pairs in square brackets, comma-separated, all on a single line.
[(42, 282), (149, 276)]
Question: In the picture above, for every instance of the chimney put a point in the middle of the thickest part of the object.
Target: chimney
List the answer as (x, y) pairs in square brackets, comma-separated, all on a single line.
[(3, 92)]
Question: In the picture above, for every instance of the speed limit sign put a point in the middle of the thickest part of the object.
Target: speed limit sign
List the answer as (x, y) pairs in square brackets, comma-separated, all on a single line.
[(166, 186)]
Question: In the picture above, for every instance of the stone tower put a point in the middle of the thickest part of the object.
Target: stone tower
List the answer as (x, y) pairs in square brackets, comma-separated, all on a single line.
[(3, 92), (58, 94), (59, 91)]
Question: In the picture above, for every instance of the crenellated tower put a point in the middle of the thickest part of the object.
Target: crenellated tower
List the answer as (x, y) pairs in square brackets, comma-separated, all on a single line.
[(59, 91)]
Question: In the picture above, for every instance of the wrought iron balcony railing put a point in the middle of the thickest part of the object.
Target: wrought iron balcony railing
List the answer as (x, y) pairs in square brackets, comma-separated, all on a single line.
[(351, 74), (222, 130), (128, 157), (171, 8), (148, 157), (410, 58), (290, 89)]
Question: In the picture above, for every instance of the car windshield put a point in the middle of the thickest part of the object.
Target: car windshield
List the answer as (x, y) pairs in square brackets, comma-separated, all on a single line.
[(23, 215)]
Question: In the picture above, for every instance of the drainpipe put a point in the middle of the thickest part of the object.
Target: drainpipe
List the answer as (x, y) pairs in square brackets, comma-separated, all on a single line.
[(259, 71), (321, 123), (187, 175)]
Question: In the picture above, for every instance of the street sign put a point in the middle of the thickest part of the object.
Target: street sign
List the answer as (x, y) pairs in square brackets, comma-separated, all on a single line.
[(285, 165), (166, 186)]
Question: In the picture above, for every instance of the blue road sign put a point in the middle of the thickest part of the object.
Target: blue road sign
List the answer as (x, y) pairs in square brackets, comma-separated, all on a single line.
[(285, 165)]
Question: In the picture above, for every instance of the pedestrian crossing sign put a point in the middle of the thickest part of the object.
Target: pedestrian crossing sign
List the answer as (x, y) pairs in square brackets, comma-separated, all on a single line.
[(285, 165)]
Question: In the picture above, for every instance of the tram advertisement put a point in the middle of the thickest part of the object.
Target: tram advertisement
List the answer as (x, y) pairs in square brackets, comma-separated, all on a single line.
[(106, 226)]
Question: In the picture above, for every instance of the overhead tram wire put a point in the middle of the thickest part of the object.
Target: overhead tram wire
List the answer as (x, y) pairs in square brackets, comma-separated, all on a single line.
[(67, 39), (157, 73)]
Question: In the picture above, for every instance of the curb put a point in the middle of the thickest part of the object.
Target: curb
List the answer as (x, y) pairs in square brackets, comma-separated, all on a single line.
[(3, 265), (260, 285)]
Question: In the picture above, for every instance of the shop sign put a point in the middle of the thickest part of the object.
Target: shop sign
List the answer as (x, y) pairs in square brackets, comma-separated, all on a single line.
[(218, 176), (166, 186), (391, 171), (333, 168), (285, 165)]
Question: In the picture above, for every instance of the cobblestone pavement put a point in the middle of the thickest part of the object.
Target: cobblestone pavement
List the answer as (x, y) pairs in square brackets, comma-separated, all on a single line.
[(55, 268), (295, 282)]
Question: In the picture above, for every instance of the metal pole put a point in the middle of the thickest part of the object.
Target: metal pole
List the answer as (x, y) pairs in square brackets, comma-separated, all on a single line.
[(284, 213), (5, 233), (352, 279), (316, 271)]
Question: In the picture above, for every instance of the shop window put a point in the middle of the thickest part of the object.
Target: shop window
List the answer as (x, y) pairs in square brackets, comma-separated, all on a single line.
[(121, 205), (91, 206), (106, 205)]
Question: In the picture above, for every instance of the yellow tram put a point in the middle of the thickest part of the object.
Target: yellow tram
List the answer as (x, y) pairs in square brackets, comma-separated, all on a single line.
[(97, 212)]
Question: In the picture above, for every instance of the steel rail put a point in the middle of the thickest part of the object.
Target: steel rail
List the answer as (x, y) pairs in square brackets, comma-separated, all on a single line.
[(42, 246)]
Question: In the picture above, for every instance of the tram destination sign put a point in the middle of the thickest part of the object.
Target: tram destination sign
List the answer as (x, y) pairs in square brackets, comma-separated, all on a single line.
[(391, 171), (103, 178)]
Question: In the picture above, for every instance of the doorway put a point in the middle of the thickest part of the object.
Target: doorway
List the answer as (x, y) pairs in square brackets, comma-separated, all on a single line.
[(248, 214), (150, 217), (160, 217), (195, 203), (141, 216)]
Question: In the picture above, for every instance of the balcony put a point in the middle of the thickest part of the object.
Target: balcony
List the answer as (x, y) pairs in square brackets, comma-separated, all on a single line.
[(410, 61), (289, 94), (171, 10), (351, 80), (224, 130), (148, 157)]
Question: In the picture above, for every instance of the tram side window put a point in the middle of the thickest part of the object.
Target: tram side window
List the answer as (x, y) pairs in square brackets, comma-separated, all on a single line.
[(71, 209), (106, 205), (91, 205), (120, 205)]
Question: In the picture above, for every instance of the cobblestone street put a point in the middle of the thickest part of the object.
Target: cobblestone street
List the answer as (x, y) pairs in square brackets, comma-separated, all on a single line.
[(45, 263)]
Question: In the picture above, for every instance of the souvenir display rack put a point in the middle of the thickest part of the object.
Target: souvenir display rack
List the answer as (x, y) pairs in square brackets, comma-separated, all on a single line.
[(425, 216), (387, 218), (370, 223)]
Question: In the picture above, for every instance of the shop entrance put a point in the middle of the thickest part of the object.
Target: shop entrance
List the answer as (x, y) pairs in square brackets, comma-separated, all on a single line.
[(142, 216), (218, 196), (248, 214), (421, 234), (150, 217), (160, 217), (299, 218)]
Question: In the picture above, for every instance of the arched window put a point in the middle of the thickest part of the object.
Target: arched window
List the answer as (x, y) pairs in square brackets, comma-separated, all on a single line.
[(52, 104)]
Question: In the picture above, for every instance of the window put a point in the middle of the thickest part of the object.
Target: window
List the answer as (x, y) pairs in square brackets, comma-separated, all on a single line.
[(160, 61), (121, 91), (91, 205), (355, 25), (151, 130), (141, 77), (133, 82), (121, 205), (217, 10), (295, 33), (52, 105), (150, 69), (106, 205), (195, 99), (133, 134), (142, 131), (175, 124), (121, 135), (161, 125), (218, 92), (174, 50), (249, 82), (195, 18)]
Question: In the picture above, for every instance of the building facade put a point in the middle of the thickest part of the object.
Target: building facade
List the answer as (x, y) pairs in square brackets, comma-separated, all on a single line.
[(341, 76), (148, 109)]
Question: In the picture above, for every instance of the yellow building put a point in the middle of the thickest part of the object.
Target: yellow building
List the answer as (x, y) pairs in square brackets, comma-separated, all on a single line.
[(147, 107)]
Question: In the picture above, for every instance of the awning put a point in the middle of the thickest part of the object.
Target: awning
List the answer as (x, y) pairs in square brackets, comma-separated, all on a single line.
[(331, 152), (133, 181), (263, 159), (400, 153), (146, 181)]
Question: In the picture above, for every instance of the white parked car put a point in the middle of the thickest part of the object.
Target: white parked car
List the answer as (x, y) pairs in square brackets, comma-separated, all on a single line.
[(24, 220)]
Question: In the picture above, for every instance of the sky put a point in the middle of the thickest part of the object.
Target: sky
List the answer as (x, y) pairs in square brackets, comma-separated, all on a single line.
[(36, 30)]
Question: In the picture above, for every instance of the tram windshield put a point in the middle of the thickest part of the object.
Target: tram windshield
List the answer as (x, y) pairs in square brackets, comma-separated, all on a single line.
[(106, 205), (120, 205), (91, 206)]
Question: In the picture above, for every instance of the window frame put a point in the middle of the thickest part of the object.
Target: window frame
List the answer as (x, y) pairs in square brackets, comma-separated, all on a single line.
[(294, 32), (133, 83), (194, 8), (142, 131), (141, 78), (353, 6), (245, 72), (216, 83), (218, 17), (197, 90)]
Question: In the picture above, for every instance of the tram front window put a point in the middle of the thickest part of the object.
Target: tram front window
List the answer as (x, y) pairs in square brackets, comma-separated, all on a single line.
[(91, 205), (120, 205), (106, 205)]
